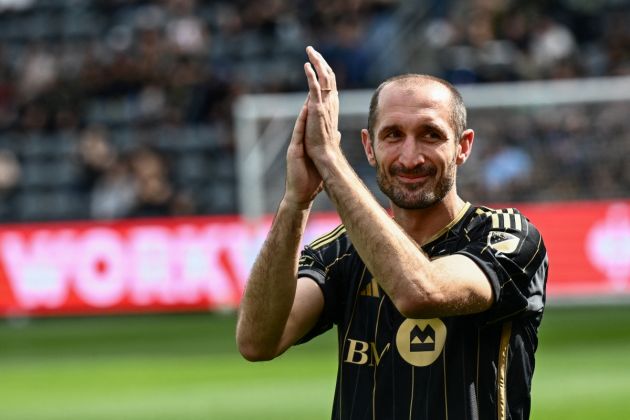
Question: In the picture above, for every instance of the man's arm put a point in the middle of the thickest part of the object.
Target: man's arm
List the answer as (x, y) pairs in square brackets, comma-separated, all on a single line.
[(277, 309), (418, 287)]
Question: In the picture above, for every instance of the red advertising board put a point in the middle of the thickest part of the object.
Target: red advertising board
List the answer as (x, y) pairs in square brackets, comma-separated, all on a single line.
[(588, 245), (202, 263)]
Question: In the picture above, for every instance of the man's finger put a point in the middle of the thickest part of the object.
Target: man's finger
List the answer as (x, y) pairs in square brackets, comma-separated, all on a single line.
[(324, 72), (300, 124), (313, 84)]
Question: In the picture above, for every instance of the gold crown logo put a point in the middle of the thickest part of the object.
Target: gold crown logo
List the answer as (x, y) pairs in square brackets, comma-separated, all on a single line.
[(422, 339)]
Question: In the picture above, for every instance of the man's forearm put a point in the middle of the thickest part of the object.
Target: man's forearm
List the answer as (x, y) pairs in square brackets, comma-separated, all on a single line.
[(392, 257), (270, 290)]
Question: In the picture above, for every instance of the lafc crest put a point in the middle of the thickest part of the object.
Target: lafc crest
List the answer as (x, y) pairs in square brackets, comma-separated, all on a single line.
[(503, 241)]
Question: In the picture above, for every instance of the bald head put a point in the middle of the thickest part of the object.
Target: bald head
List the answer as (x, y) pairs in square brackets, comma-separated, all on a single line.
[(458, 110)]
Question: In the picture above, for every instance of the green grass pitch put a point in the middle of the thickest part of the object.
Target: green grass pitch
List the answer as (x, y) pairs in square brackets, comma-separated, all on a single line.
[(186, 367)]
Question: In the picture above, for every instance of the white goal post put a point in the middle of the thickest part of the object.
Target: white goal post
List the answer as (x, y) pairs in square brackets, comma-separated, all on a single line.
[(263, 122)]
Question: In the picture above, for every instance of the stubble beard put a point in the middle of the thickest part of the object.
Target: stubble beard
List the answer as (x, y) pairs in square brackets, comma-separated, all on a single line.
[(416, 196)]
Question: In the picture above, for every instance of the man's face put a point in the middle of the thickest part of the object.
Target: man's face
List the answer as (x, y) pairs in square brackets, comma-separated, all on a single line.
[(414, 150)]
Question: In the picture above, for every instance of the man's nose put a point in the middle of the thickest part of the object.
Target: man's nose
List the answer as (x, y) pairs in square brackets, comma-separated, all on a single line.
[(411, 154)]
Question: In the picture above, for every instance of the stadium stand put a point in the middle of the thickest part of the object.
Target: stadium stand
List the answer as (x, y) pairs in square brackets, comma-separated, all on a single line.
[(122, 108)]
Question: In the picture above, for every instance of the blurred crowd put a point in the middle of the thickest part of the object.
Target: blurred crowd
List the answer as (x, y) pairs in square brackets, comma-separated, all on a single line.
[(123, 108), (549, 153)]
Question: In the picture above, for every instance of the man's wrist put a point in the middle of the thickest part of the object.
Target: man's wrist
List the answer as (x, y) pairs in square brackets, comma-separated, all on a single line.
[(290, 204), (330, 164)]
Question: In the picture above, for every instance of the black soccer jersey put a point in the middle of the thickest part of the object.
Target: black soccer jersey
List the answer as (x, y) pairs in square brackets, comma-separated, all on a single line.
[(461, 367)]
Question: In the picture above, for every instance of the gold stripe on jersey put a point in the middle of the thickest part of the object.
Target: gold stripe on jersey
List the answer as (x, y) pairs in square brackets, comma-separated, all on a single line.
[(371, 290), (413, 381), (448, 227), (345, 340), (466, 235), (347, 254), (502, 218), (496, 224), (477, 377), (445, 385), (328, 238), (504, 347), (507, 220), (378, 317), (535, 254), (306, 261)]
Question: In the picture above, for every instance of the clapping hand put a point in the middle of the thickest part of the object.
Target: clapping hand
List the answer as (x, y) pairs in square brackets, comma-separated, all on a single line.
[(322, 136)]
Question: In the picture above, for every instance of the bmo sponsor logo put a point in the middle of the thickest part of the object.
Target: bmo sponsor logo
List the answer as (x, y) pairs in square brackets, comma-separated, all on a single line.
[(126, 267)]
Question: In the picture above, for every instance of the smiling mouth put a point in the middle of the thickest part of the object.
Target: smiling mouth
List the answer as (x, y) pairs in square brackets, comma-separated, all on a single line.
[(417, 175), (412, 178)]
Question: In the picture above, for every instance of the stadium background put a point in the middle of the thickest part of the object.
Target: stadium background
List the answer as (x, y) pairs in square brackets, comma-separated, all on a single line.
[(117, 116)]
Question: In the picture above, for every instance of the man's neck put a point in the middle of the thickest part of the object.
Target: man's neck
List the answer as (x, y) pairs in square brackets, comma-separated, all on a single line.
[(423, 224)]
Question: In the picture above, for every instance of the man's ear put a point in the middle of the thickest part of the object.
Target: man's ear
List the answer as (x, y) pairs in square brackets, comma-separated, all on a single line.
[(367, 147), (464, 146)]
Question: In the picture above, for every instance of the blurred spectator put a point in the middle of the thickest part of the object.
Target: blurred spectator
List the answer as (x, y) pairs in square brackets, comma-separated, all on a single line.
[(552, 49), (345, 53), (155, 193), (185, 31), (38, 71), (96, 155), (507, 167), (8, 105), (114, 193), (9, 179), (119, 68)]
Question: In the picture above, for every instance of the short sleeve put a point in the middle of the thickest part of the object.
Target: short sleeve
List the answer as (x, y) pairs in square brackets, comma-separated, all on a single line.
[(312, 265), (510, 251)]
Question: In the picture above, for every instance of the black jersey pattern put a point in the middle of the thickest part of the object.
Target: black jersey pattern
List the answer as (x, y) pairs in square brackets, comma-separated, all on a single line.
[(462, 367)]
